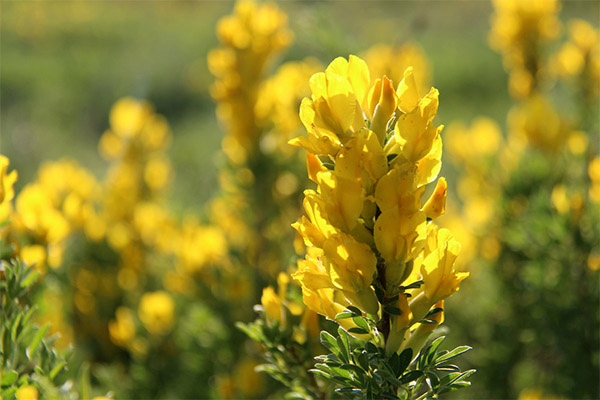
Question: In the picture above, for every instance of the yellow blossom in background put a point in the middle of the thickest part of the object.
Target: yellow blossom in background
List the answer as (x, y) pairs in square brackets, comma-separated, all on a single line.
[(27, 393), (594, 174), (122, 328), (156, 311), (519, 29), (7, 193), (539, 123), (277, 103), (392, 61), (250, 38), (580, 55)]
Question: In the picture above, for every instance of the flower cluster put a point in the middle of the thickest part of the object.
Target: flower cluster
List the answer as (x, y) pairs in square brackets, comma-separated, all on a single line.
[(250, 38), (372, 149), (519, 29)]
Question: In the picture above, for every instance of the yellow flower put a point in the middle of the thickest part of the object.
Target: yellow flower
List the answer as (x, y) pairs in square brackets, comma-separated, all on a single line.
[(34, 254), (271, 302), (518, 30), (436, 205), (393, 61), (27, 392), (156, 311), (437, 265), (539, 123), (122, 328), (128, 116), (7, 193)]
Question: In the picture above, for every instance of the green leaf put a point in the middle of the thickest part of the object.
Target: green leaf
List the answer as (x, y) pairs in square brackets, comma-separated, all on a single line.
[(433, 311), (55, 371), (411, 376), (362, 323), (344, 345), (344, 314), (354, 368), (452, 354), (354, 310), (37, 339), (371, 348), (329, 342), (15, 327), (433, 348), (9, 378), (30, 279), (329, 166), (358, 331), (404, 361), (414, 285), (392, 310)]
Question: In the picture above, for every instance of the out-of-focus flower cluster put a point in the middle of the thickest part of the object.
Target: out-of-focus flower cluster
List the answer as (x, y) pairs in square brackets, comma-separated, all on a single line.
[(529, 197), (519, 30)]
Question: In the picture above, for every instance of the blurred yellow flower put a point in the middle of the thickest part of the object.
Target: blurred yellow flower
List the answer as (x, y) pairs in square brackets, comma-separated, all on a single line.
[(156, 311), (27, 392)]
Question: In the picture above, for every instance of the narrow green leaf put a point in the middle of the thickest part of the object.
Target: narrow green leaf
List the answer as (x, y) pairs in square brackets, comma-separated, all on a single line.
[(358, 331), (55, 371), (452, 354), (329, 342), (15, 327), (354, 310), (371, 348), (362, 323), (354, 368), (33, 346), (30, 279), (404, 361), (344, 345), (392, 310), (433, 311), (344, 314), (414, 285), (411, 376)]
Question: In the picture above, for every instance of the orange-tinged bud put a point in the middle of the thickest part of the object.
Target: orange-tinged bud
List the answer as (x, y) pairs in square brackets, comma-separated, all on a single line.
[(314, 165), (387, 102), (436, 205)]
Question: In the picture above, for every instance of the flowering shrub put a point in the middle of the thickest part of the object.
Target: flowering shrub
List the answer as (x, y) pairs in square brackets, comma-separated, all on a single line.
[(330, 212)]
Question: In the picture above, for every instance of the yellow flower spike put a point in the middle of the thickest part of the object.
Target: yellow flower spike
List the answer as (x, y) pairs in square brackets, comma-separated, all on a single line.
[(436, 205), (385, 108), (408, 95)]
